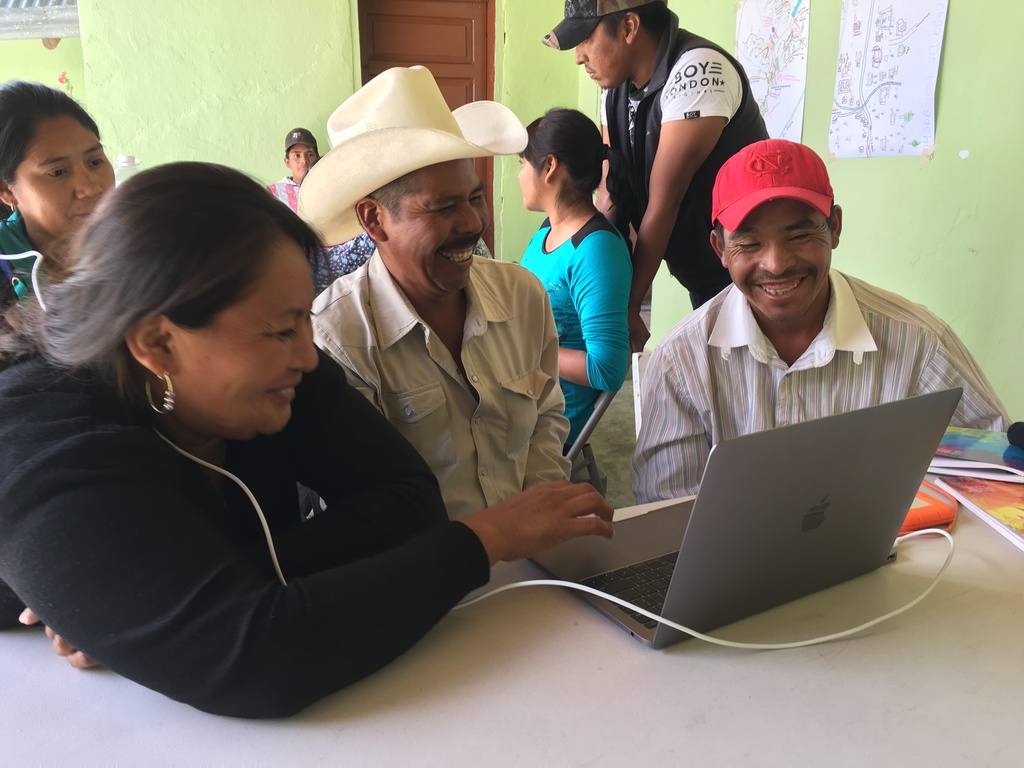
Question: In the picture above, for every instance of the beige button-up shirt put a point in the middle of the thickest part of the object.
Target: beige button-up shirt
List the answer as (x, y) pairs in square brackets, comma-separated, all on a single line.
[(717, 376), (486, 435)]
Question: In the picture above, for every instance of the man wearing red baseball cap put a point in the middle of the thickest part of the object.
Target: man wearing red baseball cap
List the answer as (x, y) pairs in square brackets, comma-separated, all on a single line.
[(791, 339)]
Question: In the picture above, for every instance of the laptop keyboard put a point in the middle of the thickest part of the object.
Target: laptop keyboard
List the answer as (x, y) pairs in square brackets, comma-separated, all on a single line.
[(644, 584)]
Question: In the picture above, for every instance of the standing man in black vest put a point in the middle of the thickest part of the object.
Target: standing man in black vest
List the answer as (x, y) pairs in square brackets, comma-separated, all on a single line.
[(677, 107)]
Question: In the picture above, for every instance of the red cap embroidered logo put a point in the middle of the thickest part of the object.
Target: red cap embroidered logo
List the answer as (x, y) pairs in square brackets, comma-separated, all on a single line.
[(773, 163)]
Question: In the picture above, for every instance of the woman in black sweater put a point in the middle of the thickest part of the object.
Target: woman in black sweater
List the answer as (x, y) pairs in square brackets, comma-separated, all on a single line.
[(151, 436)]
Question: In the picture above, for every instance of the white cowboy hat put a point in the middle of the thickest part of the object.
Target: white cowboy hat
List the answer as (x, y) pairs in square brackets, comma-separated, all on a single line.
[(396, 124)]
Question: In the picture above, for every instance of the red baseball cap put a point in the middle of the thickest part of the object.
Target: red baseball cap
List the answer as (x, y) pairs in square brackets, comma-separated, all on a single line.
[(769, 170)]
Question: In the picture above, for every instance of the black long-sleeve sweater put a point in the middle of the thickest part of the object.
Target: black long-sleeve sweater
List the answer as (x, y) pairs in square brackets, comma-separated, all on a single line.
[(125, 548)]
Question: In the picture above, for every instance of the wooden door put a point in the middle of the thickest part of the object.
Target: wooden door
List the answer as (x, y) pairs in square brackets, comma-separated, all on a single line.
[(454, 39)]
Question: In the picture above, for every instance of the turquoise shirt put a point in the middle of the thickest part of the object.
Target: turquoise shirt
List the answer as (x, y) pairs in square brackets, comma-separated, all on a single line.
[(14, 239), (587, 279)]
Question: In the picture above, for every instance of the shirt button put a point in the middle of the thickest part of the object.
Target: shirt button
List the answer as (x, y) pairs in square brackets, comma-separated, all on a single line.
[(483, 473), (474, 378), (408, 411)]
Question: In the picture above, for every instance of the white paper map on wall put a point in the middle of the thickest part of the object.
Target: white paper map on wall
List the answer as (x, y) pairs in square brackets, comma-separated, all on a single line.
[(771, 44), (889, 52)]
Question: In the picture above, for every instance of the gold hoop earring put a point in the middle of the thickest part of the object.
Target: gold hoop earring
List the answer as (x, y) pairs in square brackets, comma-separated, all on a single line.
[(168, 404)]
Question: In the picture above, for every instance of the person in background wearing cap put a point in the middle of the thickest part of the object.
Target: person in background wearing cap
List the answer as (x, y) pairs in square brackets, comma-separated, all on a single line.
[(459, 353), (330, 261), (792, 339), (300, 154), (677, 106)]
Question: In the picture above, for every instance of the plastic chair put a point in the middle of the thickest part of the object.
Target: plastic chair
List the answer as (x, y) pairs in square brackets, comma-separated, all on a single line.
[(639, 366), (582, 446)]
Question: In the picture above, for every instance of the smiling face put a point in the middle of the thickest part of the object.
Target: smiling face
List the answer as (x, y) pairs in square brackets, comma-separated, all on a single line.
[(61, 180), (236, 377), (427, 240), (779, 258)]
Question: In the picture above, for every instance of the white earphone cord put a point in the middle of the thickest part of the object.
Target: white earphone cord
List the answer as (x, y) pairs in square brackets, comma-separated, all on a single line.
[(186, 454), (554, 582), (730, 643), (619, 601), (248, 493), (35, 271)]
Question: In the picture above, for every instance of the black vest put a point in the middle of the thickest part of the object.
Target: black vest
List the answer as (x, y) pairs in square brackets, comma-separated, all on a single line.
[(689, 255)]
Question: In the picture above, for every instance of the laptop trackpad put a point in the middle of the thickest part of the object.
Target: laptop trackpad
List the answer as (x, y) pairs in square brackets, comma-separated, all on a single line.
[(636, 539)]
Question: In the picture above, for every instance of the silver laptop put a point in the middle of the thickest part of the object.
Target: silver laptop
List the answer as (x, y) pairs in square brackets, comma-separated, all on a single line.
[(780, 514)]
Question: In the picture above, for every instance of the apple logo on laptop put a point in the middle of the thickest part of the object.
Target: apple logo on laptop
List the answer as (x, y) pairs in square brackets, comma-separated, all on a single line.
[(815, 515)]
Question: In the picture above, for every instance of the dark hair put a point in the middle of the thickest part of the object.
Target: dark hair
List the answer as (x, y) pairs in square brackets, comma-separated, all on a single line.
[(185, 240), (22, 106), (575, 140), (654, 17), (391, 194)]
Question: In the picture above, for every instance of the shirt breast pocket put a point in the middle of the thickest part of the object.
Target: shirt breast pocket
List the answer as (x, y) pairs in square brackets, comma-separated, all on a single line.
[(521, 395), (421, 415)]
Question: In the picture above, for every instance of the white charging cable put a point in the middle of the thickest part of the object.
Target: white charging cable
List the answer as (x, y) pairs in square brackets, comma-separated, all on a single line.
[(245, 489), (35, 271), (730, 643)]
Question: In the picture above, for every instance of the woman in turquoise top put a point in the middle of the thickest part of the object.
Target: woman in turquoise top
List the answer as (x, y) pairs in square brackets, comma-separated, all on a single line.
[(579, 257), (53, 172)]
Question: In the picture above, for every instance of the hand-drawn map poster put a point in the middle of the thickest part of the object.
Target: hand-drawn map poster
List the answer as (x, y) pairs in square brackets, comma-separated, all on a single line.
[(889, 53), (771, 44)]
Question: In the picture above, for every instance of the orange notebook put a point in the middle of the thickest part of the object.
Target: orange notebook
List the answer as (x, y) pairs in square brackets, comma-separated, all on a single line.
[(933, 508)]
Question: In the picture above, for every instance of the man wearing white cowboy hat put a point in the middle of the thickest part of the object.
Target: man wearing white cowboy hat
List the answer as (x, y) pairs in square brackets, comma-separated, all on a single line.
[(460, 353)]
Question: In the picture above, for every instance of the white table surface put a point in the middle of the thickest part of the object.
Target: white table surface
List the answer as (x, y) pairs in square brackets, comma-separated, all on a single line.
[(536, 677)]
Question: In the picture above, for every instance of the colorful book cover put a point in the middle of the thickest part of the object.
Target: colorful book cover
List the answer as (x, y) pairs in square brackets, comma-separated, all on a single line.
[(1000, 505), (976, 453)]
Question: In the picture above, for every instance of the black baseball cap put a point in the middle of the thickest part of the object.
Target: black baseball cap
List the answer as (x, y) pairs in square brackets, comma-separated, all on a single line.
[(299, 136), (582, 18)]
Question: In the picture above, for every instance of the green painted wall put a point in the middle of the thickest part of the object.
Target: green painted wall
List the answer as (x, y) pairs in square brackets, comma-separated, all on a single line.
[(530, 79), (29, 60), (200, 80), (937, 231), (224, 82)]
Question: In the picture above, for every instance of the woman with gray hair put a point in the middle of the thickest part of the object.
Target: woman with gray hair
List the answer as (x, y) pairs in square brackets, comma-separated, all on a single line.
[(152, 431)]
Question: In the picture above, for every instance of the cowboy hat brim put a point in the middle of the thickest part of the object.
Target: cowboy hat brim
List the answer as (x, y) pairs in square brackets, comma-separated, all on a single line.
[(365, 163)]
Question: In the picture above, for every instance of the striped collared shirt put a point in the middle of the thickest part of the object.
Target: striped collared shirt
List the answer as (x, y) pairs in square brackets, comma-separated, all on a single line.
[(487, 434), (716, 376)]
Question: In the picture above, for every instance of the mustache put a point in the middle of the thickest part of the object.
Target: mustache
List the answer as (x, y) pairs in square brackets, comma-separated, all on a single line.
[(768, 277), (460, 244)]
